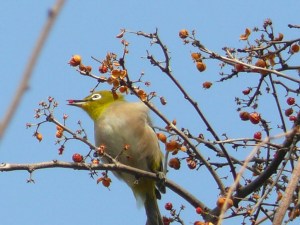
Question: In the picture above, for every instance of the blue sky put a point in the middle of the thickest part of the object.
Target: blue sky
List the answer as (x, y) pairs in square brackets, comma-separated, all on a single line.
[(88, 28)]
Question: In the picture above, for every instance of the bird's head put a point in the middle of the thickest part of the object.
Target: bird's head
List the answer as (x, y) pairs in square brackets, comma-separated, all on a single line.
[(95, 103)]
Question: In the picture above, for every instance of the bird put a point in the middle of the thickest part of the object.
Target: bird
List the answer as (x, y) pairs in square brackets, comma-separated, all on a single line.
[(118, 123)]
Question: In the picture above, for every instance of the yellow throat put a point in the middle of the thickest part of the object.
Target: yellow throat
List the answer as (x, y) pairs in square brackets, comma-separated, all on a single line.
[(97, 102)]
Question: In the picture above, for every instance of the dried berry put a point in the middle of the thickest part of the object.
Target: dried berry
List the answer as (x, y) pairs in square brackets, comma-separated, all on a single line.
[(75, 60), (174, 163)]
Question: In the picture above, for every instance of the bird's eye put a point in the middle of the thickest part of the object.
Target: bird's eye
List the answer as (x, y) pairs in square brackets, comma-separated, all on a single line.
[(96, 97)]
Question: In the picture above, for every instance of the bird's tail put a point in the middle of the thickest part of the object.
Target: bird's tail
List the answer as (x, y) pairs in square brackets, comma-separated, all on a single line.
[(152, 210)]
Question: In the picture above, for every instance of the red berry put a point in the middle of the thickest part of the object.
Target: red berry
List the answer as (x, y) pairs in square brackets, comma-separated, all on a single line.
[(106, 181), (168, 206), (166, 220), (246, 91), (239, 67), (199, 210), (103, 69), (77, 158), (290, 101), (257, 135), (254, 118), (288, 111), (61, 150), (292, 118), (295, 48), (207, 85)]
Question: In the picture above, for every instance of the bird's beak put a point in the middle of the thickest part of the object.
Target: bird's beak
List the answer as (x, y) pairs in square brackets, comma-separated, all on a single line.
[(77, 103)]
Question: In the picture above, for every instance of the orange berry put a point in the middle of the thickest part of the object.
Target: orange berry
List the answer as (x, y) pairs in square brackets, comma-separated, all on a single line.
[(200, 66), (260, 63), (59, 134), (221, 202), (295, 48), (88, 69), (162, 137), (174, 163), (279, 38), (254, 117), (142, 94), (39, 136), (118, 74), (82, 67), (196, 56), (183, 33), (171, 145), (75, 60), (59, 128), (115, 83)]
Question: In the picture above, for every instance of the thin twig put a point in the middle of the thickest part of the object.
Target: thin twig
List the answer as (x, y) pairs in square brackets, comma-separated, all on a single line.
[(52, 15)]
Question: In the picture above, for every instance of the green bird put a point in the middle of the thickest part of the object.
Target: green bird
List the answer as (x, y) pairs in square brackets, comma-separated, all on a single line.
[(118, 123)]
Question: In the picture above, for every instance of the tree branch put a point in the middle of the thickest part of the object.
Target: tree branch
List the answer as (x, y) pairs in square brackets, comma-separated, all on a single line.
[(53, 14), (31, 167)]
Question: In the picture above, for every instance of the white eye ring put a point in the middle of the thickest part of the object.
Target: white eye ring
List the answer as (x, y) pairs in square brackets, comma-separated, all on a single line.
[(96, 97)]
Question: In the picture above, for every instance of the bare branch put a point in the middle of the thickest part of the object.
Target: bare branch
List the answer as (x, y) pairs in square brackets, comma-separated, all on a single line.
[(31, 167), (52, 15), (288, 196)]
